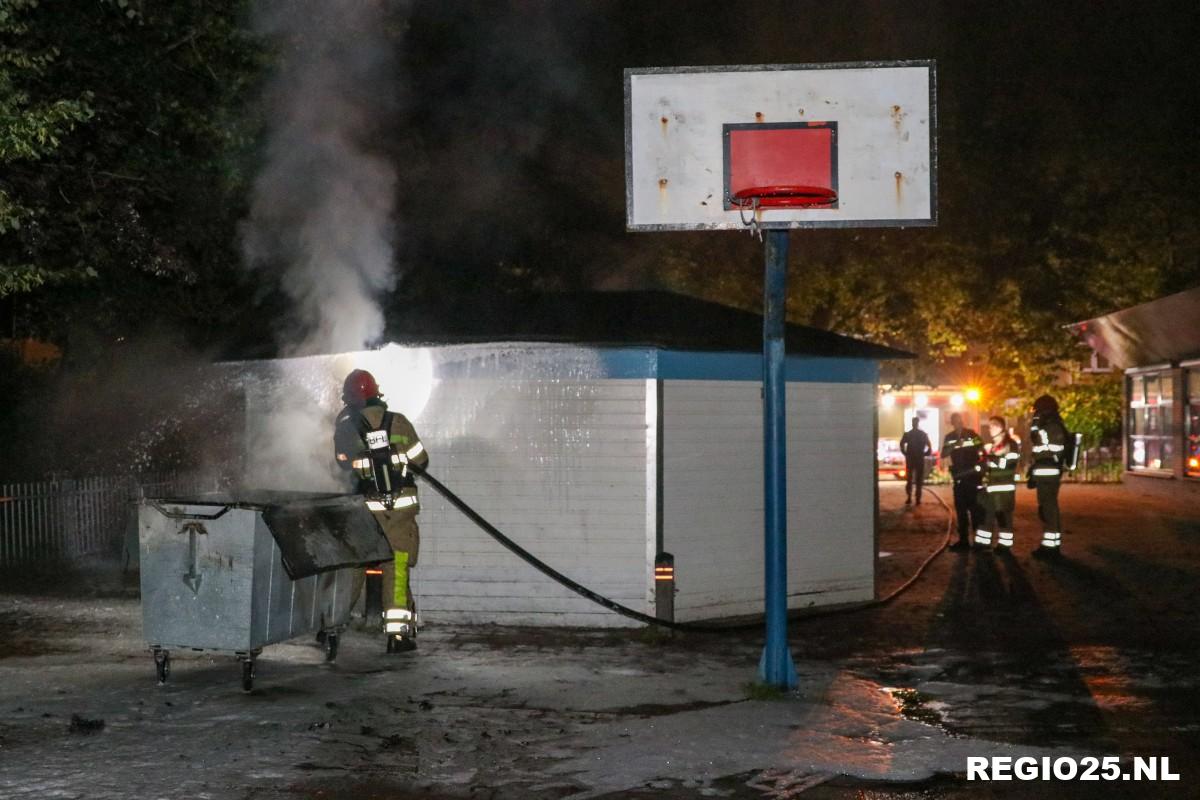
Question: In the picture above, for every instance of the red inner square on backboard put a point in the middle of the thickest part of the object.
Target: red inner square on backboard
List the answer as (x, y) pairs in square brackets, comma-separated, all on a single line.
[(762, 155)]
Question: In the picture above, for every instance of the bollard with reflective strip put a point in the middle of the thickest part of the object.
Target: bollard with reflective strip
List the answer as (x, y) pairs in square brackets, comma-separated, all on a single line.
[(664, 587)]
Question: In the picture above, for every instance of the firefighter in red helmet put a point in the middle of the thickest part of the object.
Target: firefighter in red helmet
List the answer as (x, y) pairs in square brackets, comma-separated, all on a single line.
[(376, 446)]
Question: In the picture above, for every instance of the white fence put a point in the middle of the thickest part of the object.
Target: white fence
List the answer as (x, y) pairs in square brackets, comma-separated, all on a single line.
[(65, 520)]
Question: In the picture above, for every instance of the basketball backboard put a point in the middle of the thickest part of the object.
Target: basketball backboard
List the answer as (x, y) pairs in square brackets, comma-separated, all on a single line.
[(854, 145)]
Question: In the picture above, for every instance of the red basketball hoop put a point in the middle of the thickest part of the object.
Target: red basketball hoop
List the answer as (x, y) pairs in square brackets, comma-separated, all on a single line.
[(784, 197)]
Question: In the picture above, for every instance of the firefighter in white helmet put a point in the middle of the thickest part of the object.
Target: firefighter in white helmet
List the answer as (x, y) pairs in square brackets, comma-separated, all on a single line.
[(998, 497), (377, 445)]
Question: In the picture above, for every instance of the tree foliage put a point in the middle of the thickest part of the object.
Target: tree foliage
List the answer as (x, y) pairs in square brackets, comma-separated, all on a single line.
[(125, 146), (32, 125), (1093, 408)]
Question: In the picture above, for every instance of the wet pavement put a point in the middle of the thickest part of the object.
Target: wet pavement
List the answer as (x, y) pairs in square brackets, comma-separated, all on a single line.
[(985, 655)]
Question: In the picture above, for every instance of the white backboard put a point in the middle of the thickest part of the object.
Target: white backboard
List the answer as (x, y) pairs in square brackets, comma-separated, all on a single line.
[(886, 149)]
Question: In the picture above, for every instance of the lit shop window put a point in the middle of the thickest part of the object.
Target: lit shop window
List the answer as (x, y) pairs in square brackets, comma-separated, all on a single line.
[(1150, 402), (1192, 419)]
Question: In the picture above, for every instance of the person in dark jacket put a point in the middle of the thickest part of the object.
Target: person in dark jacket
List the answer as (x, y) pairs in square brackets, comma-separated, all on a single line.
[(915, 446), (1048, 443), (962, 454)]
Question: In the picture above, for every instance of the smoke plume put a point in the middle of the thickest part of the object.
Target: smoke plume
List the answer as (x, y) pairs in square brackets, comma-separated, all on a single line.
[(321, 214), (322, 219)]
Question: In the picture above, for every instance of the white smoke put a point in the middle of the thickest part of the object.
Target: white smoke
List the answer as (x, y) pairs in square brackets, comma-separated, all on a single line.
[(322, 210), (322, 214)]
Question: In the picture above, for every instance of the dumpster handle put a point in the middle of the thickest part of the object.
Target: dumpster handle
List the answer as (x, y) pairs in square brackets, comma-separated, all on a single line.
[(184, 515)]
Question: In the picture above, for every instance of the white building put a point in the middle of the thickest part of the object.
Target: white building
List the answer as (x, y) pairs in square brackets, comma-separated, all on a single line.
[(605, 436)]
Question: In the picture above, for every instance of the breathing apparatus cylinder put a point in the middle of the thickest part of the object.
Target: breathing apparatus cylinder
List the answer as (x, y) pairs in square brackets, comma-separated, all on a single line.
[(381, 454)]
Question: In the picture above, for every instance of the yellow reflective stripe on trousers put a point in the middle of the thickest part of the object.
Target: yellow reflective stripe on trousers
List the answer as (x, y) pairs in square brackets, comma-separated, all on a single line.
[(400, 582)]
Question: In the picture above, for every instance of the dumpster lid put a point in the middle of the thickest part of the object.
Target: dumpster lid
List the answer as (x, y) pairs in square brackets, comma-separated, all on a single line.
[(315, 532)]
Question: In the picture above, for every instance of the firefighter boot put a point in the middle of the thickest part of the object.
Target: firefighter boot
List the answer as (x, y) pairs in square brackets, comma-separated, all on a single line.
[(399, 626)]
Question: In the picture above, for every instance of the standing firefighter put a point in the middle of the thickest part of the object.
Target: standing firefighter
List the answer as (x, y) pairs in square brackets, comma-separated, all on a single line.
[(962, 450), (999, 493), (377, 446), (915, 446), (1048, 438)]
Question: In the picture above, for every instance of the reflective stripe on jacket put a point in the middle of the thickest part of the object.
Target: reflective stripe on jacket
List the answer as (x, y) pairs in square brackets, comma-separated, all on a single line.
[(1048, 440), (1000, 461), (964, 452)]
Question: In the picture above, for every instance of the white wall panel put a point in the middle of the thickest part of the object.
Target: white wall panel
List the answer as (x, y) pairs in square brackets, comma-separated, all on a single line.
[(713, 494), (557, 465)]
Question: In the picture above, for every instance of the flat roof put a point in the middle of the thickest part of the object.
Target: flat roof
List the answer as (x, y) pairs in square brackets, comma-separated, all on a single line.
[(1162, 331), (621, 319)]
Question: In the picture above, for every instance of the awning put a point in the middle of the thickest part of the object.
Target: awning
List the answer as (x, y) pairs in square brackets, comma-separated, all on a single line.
[(1163, 331)]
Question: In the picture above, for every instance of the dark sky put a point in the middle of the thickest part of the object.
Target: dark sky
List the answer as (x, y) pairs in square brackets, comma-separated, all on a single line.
[(511, 151)]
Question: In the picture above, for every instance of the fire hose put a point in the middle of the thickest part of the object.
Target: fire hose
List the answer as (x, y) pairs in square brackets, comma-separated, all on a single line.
[(626, 611)]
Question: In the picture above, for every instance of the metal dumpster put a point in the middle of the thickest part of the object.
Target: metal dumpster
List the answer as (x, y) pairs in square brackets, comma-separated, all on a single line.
[(232, 574)]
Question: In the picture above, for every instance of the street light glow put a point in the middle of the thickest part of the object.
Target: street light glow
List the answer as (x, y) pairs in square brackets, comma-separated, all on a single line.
[(972, 394), (956, 400), (922, 400)]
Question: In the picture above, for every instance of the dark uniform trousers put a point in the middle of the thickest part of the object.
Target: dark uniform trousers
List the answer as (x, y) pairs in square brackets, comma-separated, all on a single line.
[(1047, 498), (966, 506), (914, 475)]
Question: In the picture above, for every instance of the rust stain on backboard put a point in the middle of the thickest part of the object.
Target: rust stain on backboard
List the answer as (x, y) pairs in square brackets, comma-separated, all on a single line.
[(664, 122), (897, 117), (758, 116), (899, 186)]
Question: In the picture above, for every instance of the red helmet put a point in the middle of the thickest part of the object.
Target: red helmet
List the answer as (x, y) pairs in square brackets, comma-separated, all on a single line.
[(360, 386)]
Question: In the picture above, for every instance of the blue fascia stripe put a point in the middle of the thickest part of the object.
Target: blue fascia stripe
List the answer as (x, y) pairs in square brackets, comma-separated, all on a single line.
[(688, 365)]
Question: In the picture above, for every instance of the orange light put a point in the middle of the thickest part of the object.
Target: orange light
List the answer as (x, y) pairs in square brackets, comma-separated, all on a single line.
[(374, 571), (973, 394), (1194, 463), (664, 573), (902, 473)]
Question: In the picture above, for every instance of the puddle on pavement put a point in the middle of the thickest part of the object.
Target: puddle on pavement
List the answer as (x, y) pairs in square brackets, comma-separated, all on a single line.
[(915, 705)]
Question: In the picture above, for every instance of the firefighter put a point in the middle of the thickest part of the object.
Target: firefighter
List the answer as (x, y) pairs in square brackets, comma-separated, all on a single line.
[(915, 446), (1048, 443), (998, 497), (376, 446), (962, 449)]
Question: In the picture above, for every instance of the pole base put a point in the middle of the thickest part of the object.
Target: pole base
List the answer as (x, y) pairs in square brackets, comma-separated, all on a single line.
[(777, 669)]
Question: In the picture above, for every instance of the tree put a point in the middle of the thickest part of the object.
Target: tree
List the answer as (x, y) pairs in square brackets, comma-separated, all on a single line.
[(31, 129), (127, 166)]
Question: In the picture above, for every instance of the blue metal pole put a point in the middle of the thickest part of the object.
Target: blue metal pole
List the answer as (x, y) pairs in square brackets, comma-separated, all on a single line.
[(776, 667)]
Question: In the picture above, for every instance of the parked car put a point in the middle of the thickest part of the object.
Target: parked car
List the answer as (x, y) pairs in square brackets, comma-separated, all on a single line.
[(890, 460)]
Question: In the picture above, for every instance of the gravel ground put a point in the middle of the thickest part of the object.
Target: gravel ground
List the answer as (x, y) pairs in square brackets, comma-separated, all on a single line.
[(1092, 653)]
